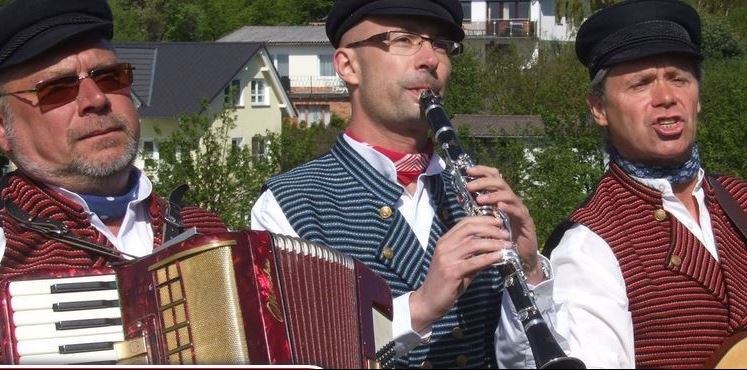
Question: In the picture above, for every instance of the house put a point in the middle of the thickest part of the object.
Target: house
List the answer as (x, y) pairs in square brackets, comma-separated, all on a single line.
[(514, 19), (174, 79), (302, 56)]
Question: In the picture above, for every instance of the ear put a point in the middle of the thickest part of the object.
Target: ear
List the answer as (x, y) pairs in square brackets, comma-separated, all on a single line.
[(596, 107), (346, 65), (4, 144)]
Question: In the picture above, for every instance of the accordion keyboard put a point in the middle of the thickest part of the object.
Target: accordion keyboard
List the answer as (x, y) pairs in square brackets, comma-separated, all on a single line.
[(66, 321)]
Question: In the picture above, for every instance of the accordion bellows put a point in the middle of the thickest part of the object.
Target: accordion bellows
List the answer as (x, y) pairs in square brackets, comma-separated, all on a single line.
[(246, 297)]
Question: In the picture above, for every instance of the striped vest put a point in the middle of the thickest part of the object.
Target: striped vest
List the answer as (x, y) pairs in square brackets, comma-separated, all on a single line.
[(28, 251), (341, 201), (683, 302)]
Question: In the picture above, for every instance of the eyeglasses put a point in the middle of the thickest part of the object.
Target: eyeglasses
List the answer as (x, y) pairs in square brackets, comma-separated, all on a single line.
[(408, 43), (59, 91)]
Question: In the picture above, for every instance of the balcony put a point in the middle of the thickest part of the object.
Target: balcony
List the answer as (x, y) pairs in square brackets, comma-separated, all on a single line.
[(314, 85), (503, 28)]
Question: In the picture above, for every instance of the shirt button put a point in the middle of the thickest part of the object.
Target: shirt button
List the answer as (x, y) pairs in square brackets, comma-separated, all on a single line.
[(461, 361), (676, 260), (385, 212), (426, 365), (660, 215), (457, 333), (387, 253)]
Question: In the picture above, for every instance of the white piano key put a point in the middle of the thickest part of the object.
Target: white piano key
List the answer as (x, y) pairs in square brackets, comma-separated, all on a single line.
[(50, 331), (45, 301), (72, 358), (51, 345), (34, 317), (42, 286)]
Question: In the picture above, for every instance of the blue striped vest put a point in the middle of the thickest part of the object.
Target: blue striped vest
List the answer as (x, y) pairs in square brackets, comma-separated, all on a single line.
[(336, 200)]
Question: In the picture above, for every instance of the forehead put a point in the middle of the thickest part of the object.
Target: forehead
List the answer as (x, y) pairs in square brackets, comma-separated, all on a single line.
[(672, 62)]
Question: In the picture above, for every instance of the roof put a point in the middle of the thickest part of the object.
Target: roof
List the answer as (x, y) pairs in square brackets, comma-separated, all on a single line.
[(279, 35), (483, 125), (172, 79)]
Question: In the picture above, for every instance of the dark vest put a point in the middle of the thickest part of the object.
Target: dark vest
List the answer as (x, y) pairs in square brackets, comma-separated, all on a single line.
[(340, 200), (28, 251), (683, 302)]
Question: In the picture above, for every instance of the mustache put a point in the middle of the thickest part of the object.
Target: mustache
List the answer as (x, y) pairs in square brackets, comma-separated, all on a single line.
[(98, 124)]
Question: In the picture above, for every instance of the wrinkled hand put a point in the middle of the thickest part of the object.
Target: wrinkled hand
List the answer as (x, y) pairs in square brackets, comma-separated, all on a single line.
[(495, 191)]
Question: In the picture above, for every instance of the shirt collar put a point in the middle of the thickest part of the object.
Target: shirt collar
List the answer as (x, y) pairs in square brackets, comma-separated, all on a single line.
[(383, 165), (145, 188), (662, 184)]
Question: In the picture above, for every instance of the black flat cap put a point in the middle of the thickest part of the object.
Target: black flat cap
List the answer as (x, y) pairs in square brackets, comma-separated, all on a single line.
[(29, 28), (637, 29), (347, 13)]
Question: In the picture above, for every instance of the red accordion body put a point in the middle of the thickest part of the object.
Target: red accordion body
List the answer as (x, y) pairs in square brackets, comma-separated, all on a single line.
[(246, 297)]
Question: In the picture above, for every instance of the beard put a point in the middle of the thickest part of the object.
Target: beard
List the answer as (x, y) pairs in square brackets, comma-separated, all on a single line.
[(88, 166)]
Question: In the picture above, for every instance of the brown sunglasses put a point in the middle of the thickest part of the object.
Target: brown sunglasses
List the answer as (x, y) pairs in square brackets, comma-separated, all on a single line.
[(59, 91)]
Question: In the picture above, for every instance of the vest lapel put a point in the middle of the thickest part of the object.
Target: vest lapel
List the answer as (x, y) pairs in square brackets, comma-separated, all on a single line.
[(399, 249)]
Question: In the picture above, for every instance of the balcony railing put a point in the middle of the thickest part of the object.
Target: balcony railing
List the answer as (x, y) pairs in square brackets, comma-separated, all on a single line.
[(516, 27), (314, 85)]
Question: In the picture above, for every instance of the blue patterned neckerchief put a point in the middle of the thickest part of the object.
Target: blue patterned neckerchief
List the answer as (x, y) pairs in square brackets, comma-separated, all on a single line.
[(675, 175), (112, 208)]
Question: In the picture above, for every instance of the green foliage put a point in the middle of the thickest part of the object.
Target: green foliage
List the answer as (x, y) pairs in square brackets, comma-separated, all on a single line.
[(718, 39), (222, 178), (206, 20), (722, 135)]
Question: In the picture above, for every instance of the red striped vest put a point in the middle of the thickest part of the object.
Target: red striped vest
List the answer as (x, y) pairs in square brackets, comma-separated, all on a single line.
[(28, 251), (683, 302)]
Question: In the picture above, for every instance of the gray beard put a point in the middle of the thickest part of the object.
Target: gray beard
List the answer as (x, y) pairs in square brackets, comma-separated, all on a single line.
[(80, 166)]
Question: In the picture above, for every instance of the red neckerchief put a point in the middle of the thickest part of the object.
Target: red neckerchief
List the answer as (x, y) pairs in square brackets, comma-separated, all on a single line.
[(408, 165)]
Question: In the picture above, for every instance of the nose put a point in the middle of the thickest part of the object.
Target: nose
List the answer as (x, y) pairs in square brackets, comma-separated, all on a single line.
[(426, 57), (663, 94), (90, 97)]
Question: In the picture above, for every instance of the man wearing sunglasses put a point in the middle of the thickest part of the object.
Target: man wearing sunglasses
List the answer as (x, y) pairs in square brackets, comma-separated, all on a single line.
[(381, 195), (68, 122)]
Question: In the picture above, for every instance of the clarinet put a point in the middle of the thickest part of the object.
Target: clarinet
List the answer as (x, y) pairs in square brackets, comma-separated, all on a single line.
[(546, 351)]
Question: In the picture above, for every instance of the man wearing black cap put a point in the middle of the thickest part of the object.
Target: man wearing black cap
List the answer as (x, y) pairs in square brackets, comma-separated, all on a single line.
[(68, 122), (650, 271), (381, 195)]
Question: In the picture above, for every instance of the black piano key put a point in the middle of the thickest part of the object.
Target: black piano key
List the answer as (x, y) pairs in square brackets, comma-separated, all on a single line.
[(85, 347), (87, 323), (83, 287), (84, 305)]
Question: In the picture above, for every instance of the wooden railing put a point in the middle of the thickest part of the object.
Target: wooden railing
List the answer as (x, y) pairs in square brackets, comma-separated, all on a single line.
[(314, 85)]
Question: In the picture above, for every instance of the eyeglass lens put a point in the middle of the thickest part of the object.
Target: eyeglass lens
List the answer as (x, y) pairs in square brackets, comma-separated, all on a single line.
[(60, 91)]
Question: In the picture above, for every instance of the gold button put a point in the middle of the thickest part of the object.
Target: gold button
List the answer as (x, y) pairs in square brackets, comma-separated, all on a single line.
[(660, 215), (426, 365), (461, 361), (676, 260), (387, 253), (385, 212), (457, 332)]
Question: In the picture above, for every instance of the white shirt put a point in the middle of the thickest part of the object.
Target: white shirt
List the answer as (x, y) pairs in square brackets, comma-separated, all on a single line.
[(415, 208), (135, 235), (587, 301)]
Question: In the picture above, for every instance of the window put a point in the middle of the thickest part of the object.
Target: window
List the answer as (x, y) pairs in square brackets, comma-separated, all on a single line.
[(281, 64), (149, 152), (325, 66), (237, 143), (495, 10), (259, 93), (259, 146), (522, 10), (314, 114), (232, 94), (467, 10)]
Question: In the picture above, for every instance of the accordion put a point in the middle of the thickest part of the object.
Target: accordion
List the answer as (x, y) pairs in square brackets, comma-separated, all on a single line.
[(248, 297)]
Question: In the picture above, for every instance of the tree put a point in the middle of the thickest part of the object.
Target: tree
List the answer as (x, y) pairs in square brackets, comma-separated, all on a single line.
[(222, 178)]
